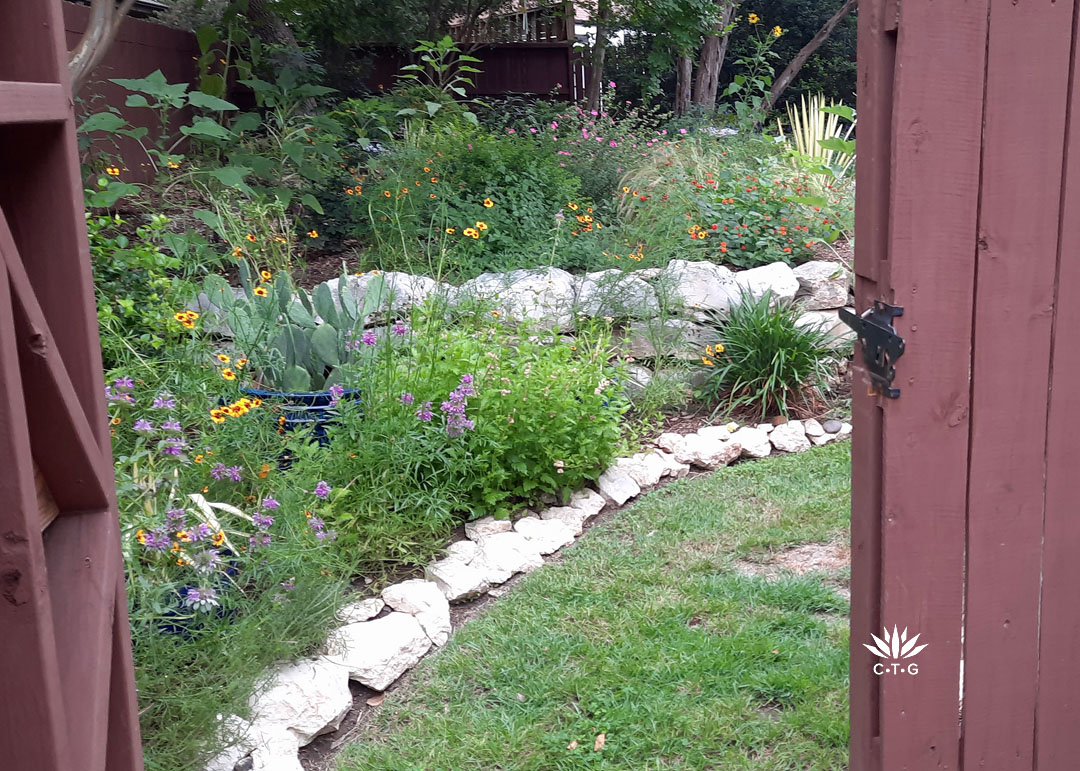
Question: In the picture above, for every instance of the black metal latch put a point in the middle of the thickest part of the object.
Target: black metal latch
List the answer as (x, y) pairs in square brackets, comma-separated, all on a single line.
[(880, 343)]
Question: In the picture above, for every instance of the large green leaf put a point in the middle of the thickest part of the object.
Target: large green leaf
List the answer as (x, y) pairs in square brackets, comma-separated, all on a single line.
[(102, 121), (206, 127), (324, 342), (299, 315), (324, 305), (206, 101), (296, 379), (206, 36), (311, 202), (232, 176), (211, 220), (374, 295), (348, 302), (218, 291)]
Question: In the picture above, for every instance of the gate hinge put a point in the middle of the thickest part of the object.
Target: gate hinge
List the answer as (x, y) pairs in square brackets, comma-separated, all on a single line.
[(880, 343)]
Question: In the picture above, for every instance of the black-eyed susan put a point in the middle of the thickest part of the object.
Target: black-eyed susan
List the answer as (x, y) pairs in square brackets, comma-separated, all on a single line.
[(251, 237), (228, 374), (753, 18), (266, 275), (488, 203), (573, 206), (481, 226), (471, 232), (223, 358), (451, 231), (260, 291)]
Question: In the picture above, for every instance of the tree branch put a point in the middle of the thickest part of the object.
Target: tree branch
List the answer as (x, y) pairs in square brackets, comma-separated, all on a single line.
[(101, 29), (796, 64)]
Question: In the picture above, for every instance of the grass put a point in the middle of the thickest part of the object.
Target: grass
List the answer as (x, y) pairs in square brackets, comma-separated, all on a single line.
[(647, 633)]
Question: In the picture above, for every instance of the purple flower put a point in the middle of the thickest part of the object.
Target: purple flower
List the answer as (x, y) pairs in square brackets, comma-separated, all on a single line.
[(173, 446), (259, 540), (407, 398), (289, 585), (324, 534), (424, 413), (164, 401), (200, 599), (171, 425), (200, 533), (270, 503), (219, 471), (322, 490), (113, 396), (316, 524), (206, 561), (368, 338), (399, 329), (156, 540), (175, 519), (262, 521), (124, 382), (335, 394), (142, 424), (233, 473)]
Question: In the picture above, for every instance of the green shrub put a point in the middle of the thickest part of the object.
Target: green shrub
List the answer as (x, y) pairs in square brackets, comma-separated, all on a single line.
[(765, 361)]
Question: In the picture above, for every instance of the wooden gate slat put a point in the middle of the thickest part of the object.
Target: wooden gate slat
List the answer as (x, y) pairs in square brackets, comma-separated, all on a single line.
[(33, 731), (1014, 296), (33, 103), (1057, 712), (929, 270)]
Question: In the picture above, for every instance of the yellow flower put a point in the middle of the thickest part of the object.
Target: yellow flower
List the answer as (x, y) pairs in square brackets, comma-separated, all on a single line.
[(481, 226), (250, 237), (264, 471), (228, 374), (112, 171), (718, 348), (435, 181), (706, 361), (140, 536), (625, 189), (223, 358), (266, 275), (753, 18), (471, 232), (386, 193), (488, 203), (777, 32), (237, 252), (183, 536), (241, 363), (451, 231), (218, 416), (572, 205), (173, 164), (260, 291), (427, 169), (313, 233), (256, 402), (219, 538), (198, 458)]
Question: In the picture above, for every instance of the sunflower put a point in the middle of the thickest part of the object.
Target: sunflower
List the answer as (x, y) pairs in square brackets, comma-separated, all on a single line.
[(753, 18)]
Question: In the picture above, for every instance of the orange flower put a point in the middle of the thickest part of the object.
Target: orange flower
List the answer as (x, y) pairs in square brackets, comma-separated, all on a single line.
[(241, 363), (313, 233), (223, 358), (228, 374), (264, 471), (481, 226), (250, 237), (386, 193), (219, 538)]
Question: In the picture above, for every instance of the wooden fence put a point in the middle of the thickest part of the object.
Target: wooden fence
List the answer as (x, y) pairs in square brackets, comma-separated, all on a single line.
[(964, 523)]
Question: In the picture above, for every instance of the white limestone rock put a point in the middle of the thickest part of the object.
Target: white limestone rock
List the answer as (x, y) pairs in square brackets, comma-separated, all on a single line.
[(644, 468), (275, 750), (790, 437), (574, 518), (378, 652), (356, 612), (723, 433), (457, 579), (547, 535), (672, 337), (617, 486), (709, 453), (828, 321), (399, 291), (823, 285), (503, 554), (485, 526), (812, 428), (776, 277), (671, 442), (615, 293), (543, 295), (755, 442), (700, 286), (588, 501), (463, 550), (306, 698), (425, 601), (672, 467), (766, 427)]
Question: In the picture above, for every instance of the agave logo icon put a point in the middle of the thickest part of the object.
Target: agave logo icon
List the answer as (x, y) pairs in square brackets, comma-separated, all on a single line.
[(895, 648)]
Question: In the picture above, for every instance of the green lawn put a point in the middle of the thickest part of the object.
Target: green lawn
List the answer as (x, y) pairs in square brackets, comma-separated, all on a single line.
[(647, 632)]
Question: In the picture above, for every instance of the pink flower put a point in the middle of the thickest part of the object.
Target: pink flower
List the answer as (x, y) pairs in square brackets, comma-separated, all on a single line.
[(532, 130), (509, 131), (611, 84), (554, 124), (613, 143), (682, 131)]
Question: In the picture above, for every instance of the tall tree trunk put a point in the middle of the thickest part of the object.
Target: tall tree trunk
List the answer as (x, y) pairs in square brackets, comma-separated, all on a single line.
[(270, 28), (792, 70), (599, 53), (105, 19), (712, 57), (682, 85)]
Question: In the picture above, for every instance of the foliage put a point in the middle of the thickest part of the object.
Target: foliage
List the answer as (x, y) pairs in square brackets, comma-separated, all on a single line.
[(442, 70), (136, 285), (674, 656), (765, 360), (818, 139), (755, 75)]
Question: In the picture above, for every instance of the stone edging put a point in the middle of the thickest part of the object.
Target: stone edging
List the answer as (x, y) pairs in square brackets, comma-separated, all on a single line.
[(310, 697)]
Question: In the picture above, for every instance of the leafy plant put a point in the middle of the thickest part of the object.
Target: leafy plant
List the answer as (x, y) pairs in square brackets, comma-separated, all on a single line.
[(818, 137), (442, 73), (765, 360)]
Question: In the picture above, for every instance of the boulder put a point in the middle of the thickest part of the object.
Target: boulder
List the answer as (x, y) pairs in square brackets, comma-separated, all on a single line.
[(790, 437), (275, 750), (464, 550), (503, 554), (617, 486), (828, 321), (776, 277), (812, 428), (425, 601), (543, 295), (360, 611), (709, 452), (546, 535), (672, 467), (677, 338), (700, 286), (573, 518), (615, 293), (755, 442), (638, 379), (823, 285), (588, 501), (306, 698), (485, 526), (378, 652), (457, 579), (644, 468), (400, 291)]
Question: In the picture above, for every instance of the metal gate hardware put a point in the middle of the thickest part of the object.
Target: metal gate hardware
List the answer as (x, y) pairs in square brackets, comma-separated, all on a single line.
[(880, 343)]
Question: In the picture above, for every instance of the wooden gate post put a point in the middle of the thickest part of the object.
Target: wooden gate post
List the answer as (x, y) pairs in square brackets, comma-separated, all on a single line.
[(963, 521), (65, 658)]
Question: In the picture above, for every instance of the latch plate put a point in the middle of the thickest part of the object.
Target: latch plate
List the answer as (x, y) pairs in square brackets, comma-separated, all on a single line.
[(880, 344)]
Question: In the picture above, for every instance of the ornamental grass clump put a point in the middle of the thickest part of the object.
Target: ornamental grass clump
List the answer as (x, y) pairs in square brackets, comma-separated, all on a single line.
[(765, 361)]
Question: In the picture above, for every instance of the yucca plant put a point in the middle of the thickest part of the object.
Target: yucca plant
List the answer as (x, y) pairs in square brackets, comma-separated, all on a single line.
[(818, 136), (765, 361)]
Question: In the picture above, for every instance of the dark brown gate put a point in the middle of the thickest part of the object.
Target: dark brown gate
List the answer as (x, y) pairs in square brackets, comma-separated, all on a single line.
[(964, 527), (66, 677)]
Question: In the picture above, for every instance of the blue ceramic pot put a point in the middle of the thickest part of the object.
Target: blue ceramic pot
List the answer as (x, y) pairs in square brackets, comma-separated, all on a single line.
[(313, 409)]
